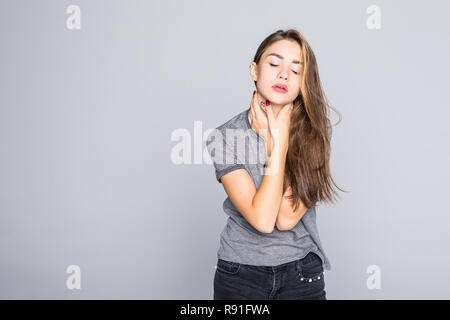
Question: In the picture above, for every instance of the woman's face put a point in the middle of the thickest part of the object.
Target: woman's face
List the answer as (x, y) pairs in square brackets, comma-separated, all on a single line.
[(280, 63)]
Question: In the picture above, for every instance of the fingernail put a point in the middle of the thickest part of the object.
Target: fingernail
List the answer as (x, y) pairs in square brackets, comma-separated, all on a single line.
[(254, 91), (267, 103)]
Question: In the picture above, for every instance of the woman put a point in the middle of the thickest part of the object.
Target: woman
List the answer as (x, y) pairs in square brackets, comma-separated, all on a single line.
[(270, 247)]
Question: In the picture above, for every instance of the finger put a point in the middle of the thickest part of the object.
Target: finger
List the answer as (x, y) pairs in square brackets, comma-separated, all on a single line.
[(270, 115), (256, 106), (260, 111), (287, 108), (256, 100), (252, 102), (262, 106)]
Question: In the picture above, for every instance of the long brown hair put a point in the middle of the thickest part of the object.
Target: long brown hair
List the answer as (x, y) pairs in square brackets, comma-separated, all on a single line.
[(307, 169)]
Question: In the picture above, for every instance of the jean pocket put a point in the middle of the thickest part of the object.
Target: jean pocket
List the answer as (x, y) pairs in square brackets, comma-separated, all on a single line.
[(228, 267), (312, 271)]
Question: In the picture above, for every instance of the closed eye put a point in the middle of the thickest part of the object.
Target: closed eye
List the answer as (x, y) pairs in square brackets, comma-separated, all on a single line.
[(275, 65)]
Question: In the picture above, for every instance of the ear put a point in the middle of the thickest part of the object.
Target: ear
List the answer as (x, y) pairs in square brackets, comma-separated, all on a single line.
[(253, 71)]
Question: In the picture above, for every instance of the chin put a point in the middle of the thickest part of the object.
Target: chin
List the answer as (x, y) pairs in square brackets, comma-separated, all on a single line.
[(277, 100)]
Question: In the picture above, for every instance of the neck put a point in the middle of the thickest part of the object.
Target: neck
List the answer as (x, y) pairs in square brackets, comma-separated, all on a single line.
[(276, 109)]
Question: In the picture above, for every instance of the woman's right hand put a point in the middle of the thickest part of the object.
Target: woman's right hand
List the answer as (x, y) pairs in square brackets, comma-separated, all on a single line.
[(279, 127), (258, 117)]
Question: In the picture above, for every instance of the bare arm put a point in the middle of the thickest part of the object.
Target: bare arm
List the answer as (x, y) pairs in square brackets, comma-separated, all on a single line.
[(268, 198), (288, 218), (259, 207)]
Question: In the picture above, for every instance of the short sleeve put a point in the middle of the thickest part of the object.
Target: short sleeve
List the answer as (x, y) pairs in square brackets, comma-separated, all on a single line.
[(222, 153)]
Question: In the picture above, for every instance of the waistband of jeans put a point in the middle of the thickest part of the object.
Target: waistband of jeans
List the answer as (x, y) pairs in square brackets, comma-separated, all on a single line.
[(310, 256)]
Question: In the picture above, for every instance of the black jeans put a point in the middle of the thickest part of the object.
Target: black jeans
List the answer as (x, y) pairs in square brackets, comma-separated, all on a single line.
[(302, 279)]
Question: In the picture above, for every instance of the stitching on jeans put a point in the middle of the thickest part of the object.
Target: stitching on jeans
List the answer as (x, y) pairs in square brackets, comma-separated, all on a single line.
[(228, 263), (315, 278)]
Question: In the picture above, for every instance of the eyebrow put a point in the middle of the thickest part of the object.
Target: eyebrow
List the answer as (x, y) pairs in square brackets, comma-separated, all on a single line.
[(282, 58)]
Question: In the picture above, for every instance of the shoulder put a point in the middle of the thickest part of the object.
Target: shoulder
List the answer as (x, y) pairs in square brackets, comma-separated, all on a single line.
[(237, 122)]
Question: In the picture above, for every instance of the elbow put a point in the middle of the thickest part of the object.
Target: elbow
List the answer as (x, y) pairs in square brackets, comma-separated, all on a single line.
[(265, 227), (284, 226), (261, 222), (266, 230), (287, 223)]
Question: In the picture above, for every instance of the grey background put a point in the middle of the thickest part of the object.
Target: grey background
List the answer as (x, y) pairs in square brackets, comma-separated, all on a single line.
[(86, 175)]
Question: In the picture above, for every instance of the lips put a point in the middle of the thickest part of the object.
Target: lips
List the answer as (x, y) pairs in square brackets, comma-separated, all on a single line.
[(281, 87)]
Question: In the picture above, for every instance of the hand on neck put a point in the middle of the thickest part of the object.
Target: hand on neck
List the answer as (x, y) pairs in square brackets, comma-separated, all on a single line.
[(276, 109)]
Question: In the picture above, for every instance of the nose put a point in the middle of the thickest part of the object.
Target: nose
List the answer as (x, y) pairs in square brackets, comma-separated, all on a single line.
[(283, 75)]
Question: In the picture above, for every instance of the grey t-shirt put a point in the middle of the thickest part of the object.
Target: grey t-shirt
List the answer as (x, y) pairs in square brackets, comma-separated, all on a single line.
[(235, 145)]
